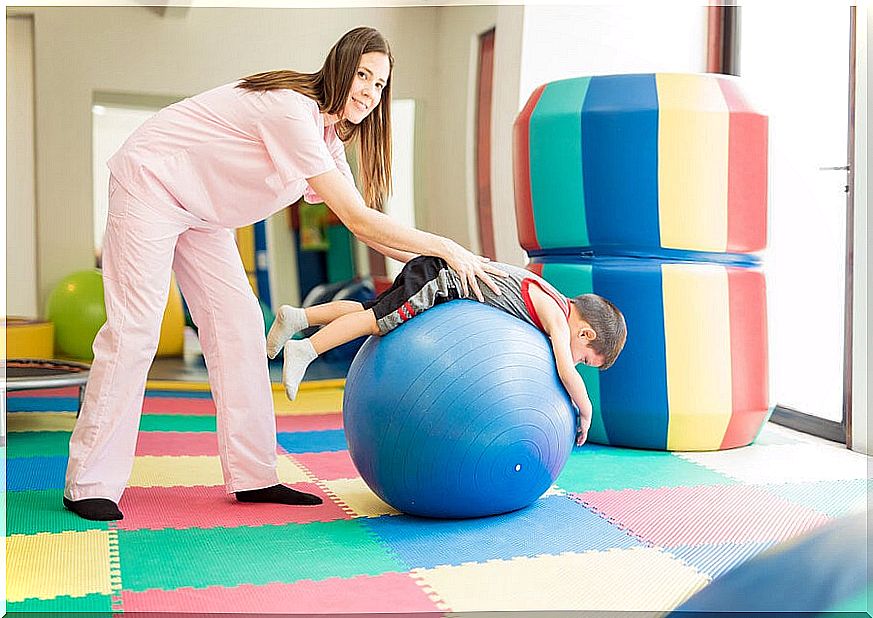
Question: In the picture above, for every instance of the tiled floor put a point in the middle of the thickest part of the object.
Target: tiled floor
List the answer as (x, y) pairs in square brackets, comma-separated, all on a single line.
[(621, 529)]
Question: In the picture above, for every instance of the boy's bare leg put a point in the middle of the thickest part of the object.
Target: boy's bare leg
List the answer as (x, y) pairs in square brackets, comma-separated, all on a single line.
[(290, 320), (344, 329), (328, 312), (299, 353)]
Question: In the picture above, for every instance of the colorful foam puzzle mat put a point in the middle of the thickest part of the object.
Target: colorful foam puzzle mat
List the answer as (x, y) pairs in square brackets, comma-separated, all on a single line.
[(641, 163), (621, 529)]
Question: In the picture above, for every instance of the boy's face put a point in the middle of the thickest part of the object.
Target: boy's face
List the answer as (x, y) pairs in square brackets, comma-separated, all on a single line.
[(580, 346)]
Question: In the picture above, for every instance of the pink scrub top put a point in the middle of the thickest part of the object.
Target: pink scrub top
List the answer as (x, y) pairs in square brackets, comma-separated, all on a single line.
[(231, 156)]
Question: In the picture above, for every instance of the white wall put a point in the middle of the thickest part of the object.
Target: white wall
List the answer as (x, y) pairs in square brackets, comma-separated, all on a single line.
[(452, 204), (569, 41), (558, 42), (111, 126), (400, 205), (21, 269), (508, 48)]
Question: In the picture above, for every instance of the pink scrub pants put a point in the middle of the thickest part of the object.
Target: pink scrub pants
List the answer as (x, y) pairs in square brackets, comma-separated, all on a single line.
[(144, 242)]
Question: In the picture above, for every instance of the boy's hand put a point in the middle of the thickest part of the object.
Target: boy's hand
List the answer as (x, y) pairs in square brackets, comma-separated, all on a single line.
[(583, 418)]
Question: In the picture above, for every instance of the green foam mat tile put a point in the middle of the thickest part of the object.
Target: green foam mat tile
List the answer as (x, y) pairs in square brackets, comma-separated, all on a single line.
[(176, 422), (32, 512), (596, 468), (97, 604), (169, 559), (38, 443)]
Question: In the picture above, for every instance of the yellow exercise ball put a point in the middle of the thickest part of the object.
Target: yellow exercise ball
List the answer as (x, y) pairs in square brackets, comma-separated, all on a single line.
[(172, 341)]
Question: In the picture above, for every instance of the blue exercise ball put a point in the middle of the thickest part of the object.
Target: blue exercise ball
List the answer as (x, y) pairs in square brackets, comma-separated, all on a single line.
[(458, 413)]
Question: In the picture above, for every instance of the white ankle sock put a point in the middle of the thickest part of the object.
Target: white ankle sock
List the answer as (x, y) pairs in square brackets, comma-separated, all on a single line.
[(298, 354), (289, 320)]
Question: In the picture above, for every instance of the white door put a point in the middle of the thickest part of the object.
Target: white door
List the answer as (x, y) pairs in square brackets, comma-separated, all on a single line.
[(796, 61)]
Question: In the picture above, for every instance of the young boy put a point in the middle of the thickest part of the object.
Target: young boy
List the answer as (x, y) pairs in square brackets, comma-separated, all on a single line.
[(587, 329)]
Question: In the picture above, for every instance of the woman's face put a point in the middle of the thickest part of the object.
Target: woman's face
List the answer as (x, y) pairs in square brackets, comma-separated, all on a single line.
[(371, 76)]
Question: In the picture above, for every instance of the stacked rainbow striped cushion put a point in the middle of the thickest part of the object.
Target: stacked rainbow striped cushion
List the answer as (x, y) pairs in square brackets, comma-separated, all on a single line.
[(651, 190)]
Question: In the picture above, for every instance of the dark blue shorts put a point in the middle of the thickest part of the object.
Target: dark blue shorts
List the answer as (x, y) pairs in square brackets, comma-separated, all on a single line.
[(425, 281)]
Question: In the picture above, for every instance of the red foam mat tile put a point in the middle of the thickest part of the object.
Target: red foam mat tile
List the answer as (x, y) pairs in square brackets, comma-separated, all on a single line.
[(156, 508), (309, 422), (392, 593)]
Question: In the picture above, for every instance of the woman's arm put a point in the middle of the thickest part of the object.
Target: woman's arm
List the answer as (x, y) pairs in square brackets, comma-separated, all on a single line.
[(394, 254), (369, 225)]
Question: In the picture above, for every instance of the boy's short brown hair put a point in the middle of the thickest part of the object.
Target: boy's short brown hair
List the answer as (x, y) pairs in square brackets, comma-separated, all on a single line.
[(607, 321)]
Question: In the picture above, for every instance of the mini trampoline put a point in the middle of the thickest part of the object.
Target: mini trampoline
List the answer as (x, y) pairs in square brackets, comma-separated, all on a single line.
[(28, 374)]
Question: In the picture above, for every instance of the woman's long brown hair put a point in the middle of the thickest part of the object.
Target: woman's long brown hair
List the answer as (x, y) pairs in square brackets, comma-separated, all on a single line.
[(329, 87)]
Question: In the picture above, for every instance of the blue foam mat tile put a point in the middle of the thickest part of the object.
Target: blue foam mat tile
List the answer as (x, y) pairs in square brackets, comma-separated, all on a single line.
[(551, 525), (313, 441), (34, 473), (716, 559), (833, 498), (39, 404)]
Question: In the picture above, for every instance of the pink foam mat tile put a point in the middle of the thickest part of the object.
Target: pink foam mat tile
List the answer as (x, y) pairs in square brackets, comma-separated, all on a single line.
[(673, 516), (394, 593), (309, 422), (156, 508), (329, 465), (66, 391), (176, 443), (178, 405)]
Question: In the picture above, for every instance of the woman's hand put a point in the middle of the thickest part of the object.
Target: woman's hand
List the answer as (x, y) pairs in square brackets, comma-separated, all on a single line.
[(470, 268)]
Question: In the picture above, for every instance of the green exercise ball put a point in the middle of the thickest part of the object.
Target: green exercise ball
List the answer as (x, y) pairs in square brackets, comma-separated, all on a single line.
[(76, 308)]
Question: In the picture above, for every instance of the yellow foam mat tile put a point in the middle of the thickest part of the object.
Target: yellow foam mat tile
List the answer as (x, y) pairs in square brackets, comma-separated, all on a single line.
[(44, 566), (40, 421), (177, 385), (186, 471), (356, 498), (554, 490), (185, 385), (290, 471), (191, 471), (638, 579), (313, 401), (314, 397)]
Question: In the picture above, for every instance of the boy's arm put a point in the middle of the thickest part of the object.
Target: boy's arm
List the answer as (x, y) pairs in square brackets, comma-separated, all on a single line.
[(555, 325)]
